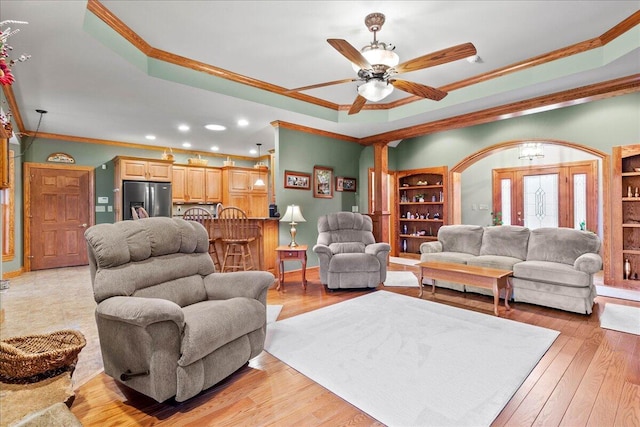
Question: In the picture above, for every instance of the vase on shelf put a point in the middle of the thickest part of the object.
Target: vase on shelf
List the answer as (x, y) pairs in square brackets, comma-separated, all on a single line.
[(627, 269), (404, 245)]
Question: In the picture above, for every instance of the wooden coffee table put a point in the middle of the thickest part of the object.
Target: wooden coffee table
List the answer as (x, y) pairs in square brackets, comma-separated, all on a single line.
[(482, 277)]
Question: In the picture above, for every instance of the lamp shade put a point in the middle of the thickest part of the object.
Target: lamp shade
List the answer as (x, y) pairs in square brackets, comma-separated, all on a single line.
[(293, 214), (375, 90)]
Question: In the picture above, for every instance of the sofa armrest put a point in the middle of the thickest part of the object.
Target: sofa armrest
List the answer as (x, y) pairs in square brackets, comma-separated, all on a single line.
[(431, 247), (248, 284), (589, 263), (375, 248), (322, 250), (140, 311)]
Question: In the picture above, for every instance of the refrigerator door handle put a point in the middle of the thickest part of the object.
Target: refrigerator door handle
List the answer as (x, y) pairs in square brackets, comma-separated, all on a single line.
[(150, 198)]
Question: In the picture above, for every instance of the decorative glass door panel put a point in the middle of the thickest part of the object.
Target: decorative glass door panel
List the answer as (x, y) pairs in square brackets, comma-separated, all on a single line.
[(540, 201), (564, 195)]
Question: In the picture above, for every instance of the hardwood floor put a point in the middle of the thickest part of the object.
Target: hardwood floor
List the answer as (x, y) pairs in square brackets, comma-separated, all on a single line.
[(589, 377)]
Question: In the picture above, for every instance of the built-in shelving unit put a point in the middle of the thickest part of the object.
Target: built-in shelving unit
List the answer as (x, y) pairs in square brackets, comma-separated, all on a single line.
[(626, 215), (421, 208)]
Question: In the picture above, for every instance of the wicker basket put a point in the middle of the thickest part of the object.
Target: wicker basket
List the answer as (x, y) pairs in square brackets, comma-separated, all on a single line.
[(29, 355), (197, 161)]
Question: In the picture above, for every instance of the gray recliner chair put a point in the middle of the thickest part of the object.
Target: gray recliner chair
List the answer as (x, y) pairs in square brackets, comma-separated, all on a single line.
[(348, 253), (168, 324)]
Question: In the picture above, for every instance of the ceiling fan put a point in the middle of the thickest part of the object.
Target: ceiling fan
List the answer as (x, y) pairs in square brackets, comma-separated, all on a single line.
[(377, 64)]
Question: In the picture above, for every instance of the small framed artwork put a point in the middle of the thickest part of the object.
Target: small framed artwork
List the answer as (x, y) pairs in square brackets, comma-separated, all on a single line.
[(297, 180), (345, 184), (322, 182)]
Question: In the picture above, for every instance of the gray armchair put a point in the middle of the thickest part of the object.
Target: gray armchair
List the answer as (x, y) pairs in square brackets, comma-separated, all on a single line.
[(168, 324), (348, 253)]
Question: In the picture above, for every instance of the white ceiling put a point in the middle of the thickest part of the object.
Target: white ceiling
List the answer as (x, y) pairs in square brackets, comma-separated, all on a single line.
[(95, 85)]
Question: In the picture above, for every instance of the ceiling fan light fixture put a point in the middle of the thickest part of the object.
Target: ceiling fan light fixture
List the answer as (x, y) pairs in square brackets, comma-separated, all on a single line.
[(379, 54), (375, 90)]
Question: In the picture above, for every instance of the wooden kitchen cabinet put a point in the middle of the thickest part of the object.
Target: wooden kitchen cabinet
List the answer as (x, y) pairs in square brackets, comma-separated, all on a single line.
[(213, 185), (138, 169), (193, 184), (238, 190)]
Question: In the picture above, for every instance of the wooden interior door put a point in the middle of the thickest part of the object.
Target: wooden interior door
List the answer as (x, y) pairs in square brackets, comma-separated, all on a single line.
[(59, 207)]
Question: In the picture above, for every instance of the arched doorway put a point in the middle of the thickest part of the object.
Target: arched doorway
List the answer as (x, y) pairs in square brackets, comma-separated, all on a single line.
[(455, 180)]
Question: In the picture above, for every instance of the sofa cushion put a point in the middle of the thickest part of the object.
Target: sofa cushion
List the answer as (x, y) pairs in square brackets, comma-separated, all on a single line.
[(552, 272), (347, 247), (352, 262), (505, 240), (461, 238), (211, 324), (494, 261), (563, 245), (454, 257)]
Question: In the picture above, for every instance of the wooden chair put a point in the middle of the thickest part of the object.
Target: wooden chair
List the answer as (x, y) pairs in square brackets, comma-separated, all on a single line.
[(236, 236), (205, 218)]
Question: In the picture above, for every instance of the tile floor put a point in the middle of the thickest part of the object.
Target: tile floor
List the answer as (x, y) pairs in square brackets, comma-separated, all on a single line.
[(49, 300)]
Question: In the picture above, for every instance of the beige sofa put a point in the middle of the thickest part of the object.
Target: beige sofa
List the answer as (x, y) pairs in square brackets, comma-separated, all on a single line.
[(552, 267), (168, 324)]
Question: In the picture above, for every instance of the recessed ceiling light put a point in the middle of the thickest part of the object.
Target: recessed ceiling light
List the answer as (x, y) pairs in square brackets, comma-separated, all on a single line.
[(214, 148), (474, 59), (215, 127), (183, 128), (253, 151), (243, 122), (150, 137), (186, 144)]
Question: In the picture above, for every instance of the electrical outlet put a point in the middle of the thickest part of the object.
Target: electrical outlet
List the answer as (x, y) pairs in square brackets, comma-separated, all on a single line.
[(109, 208)]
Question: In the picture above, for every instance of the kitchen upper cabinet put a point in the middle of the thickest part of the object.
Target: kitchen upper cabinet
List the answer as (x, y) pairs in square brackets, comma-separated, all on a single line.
[(137, 169), (193, 184), (238, 190), (213, 185)]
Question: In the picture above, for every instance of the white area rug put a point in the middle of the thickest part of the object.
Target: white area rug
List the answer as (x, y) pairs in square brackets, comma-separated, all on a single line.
[(621, 318), (403, 261), (610, 291), (401, 278), (411, 362), (273, 311)]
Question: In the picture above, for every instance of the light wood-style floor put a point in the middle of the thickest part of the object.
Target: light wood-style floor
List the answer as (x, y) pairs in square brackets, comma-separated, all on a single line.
[(589, 377)]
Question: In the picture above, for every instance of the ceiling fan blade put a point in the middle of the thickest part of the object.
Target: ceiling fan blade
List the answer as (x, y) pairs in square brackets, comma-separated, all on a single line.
[(357, 105), (437, 58), (335, 82), (419, 89), (350, 52)]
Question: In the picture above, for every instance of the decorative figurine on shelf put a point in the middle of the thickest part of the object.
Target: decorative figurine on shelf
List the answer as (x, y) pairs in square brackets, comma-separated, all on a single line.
[(427, 215), (436, 215), (627, 269), (636, 194), (405, 229), (404, 245), (629, 194)]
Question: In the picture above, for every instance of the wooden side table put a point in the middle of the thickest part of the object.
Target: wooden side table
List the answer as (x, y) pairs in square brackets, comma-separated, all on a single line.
[(287, 253)]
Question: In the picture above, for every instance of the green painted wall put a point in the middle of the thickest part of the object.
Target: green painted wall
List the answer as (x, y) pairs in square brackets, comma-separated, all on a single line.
[(600, 124), (300, 152)]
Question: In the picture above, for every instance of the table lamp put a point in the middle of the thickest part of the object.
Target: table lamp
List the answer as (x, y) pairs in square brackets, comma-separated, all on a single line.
[(293, 215)]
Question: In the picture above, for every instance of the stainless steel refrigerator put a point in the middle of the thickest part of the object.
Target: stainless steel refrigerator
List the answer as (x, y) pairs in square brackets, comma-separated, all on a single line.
[(154, 197)]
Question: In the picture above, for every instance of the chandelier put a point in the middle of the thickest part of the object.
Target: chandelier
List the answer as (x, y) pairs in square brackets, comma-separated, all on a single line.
[(531, 150)]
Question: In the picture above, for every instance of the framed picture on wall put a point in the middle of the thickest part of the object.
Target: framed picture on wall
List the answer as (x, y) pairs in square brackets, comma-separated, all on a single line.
[(297, 180), (322, 182), (345, 184)]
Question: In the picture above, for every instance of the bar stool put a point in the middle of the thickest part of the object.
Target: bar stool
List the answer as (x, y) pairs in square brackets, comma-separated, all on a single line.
[(236, 236), (205, 218)]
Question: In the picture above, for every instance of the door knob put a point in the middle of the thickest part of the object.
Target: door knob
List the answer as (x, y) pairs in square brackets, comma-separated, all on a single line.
[(84, 225)]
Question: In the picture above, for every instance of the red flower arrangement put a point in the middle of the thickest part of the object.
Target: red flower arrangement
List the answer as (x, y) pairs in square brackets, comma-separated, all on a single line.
[(6, 77)]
